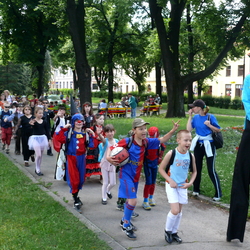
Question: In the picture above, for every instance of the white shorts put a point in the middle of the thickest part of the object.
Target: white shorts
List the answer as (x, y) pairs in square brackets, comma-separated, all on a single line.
[(176, 195)]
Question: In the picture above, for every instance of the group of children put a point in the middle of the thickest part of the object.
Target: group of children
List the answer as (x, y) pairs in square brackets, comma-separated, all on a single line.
[(88, 144)]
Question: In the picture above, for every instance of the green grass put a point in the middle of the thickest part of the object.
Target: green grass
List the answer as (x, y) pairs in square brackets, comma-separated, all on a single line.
[(30, 219)]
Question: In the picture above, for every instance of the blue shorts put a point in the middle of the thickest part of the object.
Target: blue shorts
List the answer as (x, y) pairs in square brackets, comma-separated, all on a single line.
[(128, 188)]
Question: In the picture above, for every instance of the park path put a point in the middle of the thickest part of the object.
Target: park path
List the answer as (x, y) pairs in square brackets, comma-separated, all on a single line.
[(203, 225)]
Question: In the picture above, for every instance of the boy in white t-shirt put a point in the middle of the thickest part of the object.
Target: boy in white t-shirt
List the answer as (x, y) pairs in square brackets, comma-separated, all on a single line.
[(177, 183)]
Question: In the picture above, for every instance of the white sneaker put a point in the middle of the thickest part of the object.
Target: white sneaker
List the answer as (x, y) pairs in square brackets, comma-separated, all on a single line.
[(195, 194), (216, 198)]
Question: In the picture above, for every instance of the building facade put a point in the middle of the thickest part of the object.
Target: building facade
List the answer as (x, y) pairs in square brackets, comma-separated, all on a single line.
[(228, 82)]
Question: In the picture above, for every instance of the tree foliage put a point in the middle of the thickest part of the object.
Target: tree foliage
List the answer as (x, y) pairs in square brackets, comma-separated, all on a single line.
[(195, 38)]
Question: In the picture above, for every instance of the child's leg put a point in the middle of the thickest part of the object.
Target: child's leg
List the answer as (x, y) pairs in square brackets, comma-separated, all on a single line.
[(105, 177), (112, 181), (8, 137), (171, 217), (38, 158), (4, 135), (128, 211)]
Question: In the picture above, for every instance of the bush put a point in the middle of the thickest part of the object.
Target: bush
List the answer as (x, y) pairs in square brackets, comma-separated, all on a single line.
[(236, 103)]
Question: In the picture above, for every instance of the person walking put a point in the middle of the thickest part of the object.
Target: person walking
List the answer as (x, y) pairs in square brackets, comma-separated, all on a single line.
[(76, 147), (203, 145), (40, 139), (26, 132), (108, 170), (176, 182)]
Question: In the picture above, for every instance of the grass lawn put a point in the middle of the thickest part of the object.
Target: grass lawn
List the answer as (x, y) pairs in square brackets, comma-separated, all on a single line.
[(30, 219)]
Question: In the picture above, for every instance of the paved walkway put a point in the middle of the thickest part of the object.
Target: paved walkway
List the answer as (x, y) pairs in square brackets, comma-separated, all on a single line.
[(203, 225)]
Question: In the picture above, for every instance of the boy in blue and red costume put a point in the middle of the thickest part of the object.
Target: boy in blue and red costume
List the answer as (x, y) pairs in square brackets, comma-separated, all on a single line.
[(153, 158), (76, 148), (129, 174)]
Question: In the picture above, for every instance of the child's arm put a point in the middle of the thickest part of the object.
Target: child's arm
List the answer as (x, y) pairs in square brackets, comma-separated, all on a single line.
[(189, 125), (167, 136), (162, 170), (193, 175)]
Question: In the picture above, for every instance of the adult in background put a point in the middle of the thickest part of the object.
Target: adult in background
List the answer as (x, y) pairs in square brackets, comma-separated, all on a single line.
[(26, 132), (241, 179), (133, 104), (203, 145)]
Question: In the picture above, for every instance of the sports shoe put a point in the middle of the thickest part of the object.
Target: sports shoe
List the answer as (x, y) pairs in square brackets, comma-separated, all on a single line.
[(151, 202), (176, 237), (129, 232), (168, 237), (146, 206), (120, 207), (32, 158), (26, 164), (133, 227), (3, 147), (7, 151), (77, 206), (104, 202), (196, 194), (79, 201), (39, 173), (216, 198), (134, 215), (109, 195)]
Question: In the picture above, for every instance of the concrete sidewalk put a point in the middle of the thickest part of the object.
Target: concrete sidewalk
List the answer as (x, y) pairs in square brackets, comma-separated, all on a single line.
[(203, 225)]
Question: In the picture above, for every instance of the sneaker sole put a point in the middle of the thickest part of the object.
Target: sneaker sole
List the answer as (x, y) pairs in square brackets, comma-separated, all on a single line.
[(128, 235)]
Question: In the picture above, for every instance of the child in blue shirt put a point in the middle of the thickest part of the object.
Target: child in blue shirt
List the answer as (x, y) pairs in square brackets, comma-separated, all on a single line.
[(177, 183)]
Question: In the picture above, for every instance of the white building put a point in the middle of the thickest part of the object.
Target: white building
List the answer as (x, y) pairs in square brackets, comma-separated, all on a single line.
[(229, 81)]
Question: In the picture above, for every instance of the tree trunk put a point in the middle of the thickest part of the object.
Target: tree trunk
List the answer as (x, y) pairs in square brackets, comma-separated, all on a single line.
[(190, 93), (158, 78), (76, 13), (110, 82), (175, 101), (75, 83), (40, 70)]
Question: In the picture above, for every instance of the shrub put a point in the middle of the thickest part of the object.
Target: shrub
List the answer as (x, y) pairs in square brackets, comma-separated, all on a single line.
[(236, 103)]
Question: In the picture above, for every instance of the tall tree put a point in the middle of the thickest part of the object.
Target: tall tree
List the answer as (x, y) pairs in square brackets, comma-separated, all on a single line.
[(26, 34), (214, 37), (76, 15), (111, 35)]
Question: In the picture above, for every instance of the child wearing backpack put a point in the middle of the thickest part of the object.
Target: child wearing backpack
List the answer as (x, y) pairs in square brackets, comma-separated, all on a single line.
[(153, 158), (129, 174), (76, 147), (108, 170), (175, 172)]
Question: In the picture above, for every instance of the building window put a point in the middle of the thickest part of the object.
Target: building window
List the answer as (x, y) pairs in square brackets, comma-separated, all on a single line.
[(228, 89), (238, 90), (240, 70), (228, 71)]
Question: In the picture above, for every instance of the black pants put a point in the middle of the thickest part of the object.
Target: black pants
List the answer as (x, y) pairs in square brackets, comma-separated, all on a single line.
[(18, 141), (199, 153), (240, 189), (26, 152)]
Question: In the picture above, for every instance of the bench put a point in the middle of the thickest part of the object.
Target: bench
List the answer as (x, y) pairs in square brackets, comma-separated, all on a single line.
[(154, 109), (112, 112)]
